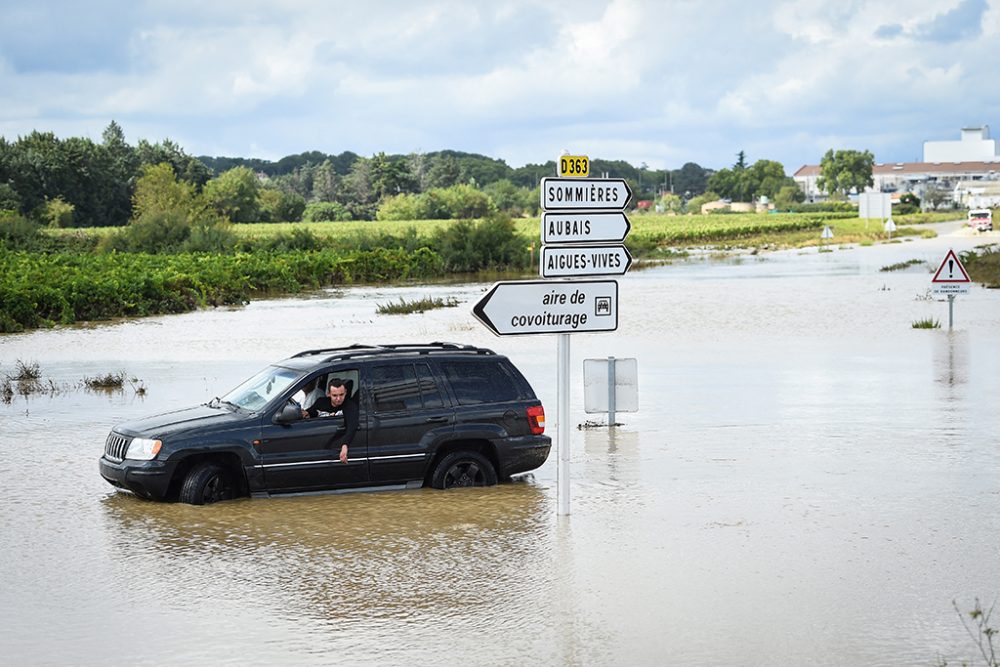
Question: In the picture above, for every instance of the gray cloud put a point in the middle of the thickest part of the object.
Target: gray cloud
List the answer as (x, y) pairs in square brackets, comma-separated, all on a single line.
[(642, 80), (962, 22)]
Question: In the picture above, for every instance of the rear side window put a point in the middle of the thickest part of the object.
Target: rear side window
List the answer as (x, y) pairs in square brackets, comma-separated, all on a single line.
[(477, 382), (405, 387)]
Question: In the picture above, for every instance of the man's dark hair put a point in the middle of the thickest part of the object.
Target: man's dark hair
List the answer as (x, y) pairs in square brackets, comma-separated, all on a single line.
[(336, 382)]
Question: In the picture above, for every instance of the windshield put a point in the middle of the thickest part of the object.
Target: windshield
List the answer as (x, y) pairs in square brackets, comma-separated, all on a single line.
[(256, 392)]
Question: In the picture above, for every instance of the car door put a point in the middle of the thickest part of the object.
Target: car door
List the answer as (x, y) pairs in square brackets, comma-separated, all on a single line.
[(303, 455), (409, 414)]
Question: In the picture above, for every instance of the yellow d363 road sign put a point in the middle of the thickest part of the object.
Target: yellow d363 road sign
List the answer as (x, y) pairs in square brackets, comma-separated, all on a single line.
[(571, 166)]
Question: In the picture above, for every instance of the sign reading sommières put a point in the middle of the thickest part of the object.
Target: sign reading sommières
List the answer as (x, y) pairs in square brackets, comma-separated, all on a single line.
[(593, 194)]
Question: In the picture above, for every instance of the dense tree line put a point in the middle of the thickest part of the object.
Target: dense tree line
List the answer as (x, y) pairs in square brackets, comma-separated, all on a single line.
[(83, 183)]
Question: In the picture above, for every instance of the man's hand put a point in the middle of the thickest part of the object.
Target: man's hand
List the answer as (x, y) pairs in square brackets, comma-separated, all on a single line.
[(343, 453)]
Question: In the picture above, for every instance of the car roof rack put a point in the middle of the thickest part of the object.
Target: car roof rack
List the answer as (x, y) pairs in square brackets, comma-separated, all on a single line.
[(360, 350)]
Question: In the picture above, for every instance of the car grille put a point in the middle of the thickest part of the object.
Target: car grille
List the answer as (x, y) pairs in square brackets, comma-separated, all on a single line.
[(115, 447)]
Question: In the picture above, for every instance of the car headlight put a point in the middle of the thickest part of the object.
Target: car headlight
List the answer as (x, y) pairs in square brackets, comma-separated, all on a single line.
[(143, 449)]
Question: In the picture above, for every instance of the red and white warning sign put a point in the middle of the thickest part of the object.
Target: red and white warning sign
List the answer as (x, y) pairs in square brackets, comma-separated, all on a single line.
[(951, 277)]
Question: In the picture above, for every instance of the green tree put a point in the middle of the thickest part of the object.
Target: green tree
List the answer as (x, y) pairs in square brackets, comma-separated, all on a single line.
[(726, 182), (788, 196), (280, 206), (690, 178), (9, 199), (765, 179), (325, 182), (186, 167), (670, 203), (326, 211), (233, 195), (934, 196), (695, 203), (123, 170), (159, 191), (58, 214), (511, 199), (845, 170), (444, 172), (389, 175)]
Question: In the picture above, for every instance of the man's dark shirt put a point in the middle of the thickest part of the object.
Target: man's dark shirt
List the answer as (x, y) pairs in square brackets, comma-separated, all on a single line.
[(345, 435)]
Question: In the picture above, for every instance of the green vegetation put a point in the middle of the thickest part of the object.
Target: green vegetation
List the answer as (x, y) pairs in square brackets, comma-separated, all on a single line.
[(27, 380), (170, 261), (901, 265), (980, 632), (983, 265), (417, 306), (845, 170), (107, 381), (926, 323)]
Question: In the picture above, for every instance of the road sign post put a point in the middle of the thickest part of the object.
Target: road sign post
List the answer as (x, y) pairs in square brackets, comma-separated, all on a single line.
[(950, 279), (583, 227)]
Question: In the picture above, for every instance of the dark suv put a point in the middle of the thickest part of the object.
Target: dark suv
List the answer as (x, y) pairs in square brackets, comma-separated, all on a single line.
[(441, 414)]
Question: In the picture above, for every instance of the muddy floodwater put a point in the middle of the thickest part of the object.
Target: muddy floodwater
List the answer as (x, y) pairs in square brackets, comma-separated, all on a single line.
[(808, 480)]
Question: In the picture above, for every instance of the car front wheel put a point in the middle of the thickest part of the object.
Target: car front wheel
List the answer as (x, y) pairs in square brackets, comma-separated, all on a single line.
[(205, 484), (463, 468)]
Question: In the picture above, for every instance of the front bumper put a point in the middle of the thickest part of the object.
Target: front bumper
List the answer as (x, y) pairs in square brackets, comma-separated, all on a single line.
[(147, 479)]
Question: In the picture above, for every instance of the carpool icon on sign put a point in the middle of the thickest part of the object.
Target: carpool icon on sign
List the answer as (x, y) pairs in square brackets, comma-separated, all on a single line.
[(602, 305)]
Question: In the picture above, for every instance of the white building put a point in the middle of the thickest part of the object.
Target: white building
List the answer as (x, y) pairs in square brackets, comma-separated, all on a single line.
[(974, 146), (915, 177), (967, 169)]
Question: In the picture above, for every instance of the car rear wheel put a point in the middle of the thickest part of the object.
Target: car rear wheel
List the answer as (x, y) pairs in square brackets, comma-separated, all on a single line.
[(207, 483), (460, 469)]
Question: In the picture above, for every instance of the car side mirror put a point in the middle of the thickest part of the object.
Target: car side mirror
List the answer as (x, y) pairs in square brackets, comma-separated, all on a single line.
[(289, 413)]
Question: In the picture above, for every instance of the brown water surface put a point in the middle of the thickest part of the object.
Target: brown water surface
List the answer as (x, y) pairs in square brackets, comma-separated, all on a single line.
[(809, 480)]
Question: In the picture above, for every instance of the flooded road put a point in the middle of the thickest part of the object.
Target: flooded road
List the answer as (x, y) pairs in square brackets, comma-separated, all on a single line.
[(809, 480)]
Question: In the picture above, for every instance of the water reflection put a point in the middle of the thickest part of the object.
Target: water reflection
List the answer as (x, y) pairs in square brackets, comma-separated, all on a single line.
[(385, 555), (951, 361)]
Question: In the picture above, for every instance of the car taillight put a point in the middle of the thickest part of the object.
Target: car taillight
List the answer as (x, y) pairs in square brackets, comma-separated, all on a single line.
[(536, 419)]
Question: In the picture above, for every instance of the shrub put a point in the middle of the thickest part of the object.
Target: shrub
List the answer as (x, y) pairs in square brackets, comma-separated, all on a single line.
[(58, 213), (154, 232), (298, 239), (280, 206), (491, 243), (17, 232), (403, 206), (326, 211), (210, 237)]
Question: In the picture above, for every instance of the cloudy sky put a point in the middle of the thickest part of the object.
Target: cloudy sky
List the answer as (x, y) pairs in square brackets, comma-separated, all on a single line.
[(657, 82)]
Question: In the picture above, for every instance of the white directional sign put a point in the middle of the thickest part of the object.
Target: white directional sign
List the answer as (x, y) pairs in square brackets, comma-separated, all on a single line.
[(584, 227), (951, 277), (604, 194), (547, 307), (564, 261)]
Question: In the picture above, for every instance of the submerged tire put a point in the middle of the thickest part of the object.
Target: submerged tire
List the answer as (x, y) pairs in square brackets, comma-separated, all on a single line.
[(461, 469), (207, 483)]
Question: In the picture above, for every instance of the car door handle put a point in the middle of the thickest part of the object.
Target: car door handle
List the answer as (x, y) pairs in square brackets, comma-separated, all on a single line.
[(437, 420)]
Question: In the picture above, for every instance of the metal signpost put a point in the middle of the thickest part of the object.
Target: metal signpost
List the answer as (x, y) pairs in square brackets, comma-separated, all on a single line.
[(579, 214), (951, 278)]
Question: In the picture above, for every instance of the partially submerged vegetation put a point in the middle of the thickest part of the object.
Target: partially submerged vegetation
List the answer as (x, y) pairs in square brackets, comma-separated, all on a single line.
[(983, 265), (404, 307), (26, 380), (899, 266), (926, 323)]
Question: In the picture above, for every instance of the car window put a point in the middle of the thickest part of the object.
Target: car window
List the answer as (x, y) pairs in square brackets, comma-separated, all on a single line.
[(477, 382), (256, 392), (428, 387), (395, 388)]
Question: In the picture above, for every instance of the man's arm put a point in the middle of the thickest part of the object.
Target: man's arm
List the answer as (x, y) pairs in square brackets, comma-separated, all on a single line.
[(351, 416)]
